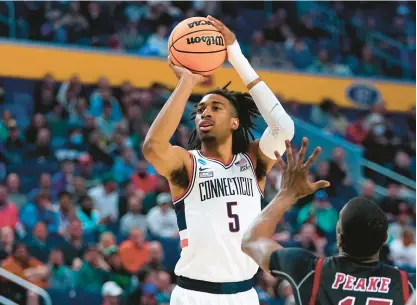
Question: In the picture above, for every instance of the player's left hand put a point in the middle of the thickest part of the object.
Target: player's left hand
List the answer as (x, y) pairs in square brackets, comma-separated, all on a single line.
[(295, 180), (228, 35)]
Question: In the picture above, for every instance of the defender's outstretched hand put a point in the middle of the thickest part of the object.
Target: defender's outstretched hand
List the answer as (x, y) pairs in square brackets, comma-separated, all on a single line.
[(184, 72), (295, 173), (229, 36)]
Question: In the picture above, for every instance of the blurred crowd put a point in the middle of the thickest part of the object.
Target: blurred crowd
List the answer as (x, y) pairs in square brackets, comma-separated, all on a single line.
[(83, 215), (286, 34)]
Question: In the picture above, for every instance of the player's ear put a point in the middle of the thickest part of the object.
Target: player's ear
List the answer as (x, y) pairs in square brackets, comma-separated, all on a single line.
[(235, 123)]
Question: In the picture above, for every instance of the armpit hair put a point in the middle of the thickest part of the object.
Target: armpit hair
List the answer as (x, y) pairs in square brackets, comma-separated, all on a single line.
[(180, 178), (260, 169)]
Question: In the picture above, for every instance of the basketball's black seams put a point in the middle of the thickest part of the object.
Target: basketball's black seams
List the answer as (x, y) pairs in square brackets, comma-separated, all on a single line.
[(192, 69), (180, 178)]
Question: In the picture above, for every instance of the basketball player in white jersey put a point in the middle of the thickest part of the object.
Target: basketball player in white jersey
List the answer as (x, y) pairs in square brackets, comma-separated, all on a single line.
[(217, 186)]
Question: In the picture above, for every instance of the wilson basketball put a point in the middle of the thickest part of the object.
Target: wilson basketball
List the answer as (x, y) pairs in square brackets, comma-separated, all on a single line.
[(197, 45)]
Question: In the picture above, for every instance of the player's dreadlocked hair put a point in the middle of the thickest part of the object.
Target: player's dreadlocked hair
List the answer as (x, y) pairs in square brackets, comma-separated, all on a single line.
[(247, 112)]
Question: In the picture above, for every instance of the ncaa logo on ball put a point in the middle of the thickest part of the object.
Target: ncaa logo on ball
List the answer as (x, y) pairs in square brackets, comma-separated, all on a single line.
[(363, 95), (198, 23)]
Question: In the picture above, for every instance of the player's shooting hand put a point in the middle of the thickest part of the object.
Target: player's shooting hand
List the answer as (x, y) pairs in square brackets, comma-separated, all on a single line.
[(181, 72), (295, 174), (228, 35)]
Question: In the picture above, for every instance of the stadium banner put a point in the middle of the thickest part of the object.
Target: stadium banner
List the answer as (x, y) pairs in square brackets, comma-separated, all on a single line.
[(33, 61)]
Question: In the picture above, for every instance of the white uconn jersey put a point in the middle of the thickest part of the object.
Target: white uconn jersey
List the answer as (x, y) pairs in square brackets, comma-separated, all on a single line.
[(221, 202)]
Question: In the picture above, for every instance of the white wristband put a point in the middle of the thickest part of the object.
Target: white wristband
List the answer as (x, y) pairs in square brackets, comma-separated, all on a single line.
[(240, 63)]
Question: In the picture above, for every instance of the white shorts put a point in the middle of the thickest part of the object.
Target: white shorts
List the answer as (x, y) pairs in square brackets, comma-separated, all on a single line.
[(181, 296)]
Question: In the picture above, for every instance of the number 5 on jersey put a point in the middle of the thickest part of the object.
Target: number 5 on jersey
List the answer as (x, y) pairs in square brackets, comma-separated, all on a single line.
[(234, 225)]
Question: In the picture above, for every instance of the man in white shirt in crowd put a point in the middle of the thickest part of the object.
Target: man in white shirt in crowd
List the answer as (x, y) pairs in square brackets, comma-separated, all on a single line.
[(403, 250), (162, 219), (133, 218), (106, 199)]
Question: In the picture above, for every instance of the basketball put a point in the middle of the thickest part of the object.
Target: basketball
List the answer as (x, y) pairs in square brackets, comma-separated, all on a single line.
[(197, 45)]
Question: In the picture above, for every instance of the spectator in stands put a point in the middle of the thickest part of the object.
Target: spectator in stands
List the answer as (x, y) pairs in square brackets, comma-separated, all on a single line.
[(13, 189), (98, 20), (164, 287), (118, 273), (70, 92), (42, 148), (134, 252), (106, 243), (93, 272), (37, 244), (38, 123), (403, 251), (14, 141), (105, 124), (124, 166), (80, 190), (162, 219), (376, 116), (369, 65), (74, 23), (156, 256), (42, 210), (322, 64), (277, 29), (106, 199), (111, 293), (134, 218), (129, 191), (46, 102), (88, 216), (97, 149), (338, 167), (78, 113), (150, 198), (45, 186), (130, 37), (298, 53), (368, 190), (23, 265), (356, 132), (66, 211), (7, 241), (9, 214), (309, 239), (61, 277), (101, 95), (402, 222), (157, 44), (62, 180), (319, 212), (402, 165), (320, 115), (87, 172), (390, 203), (142, 180), (73, 244), (263, 53)]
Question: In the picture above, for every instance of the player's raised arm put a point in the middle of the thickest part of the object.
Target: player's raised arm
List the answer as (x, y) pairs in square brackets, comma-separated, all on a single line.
[(257, 241), (280, 124), (157, 149)]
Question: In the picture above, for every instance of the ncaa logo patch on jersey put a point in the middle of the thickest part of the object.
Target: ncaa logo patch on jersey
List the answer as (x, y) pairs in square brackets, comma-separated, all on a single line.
[(202, 162)]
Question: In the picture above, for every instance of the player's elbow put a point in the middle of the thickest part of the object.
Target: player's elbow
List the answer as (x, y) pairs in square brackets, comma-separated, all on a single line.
[(149, 148), (245, 244)]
